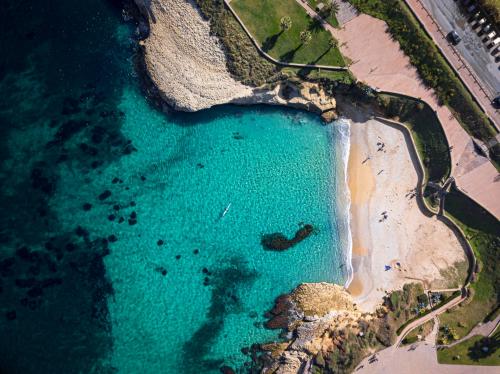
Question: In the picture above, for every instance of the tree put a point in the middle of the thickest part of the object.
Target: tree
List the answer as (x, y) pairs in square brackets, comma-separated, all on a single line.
[(331, 9), (285, 23), (305, 36), (332, 43)]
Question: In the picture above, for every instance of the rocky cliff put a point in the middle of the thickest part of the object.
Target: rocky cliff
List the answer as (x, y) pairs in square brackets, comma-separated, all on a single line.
[(188, 66)]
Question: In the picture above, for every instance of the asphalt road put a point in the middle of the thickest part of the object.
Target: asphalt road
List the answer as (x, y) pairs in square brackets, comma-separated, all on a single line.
[(449, 17)]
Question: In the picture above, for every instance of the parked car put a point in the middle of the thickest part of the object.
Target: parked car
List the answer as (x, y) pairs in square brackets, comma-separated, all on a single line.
[(496, 102), (454, 38)]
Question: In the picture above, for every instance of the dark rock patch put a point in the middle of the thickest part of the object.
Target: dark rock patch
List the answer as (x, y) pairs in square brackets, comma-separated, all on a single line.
[(159, 242), (87, 206), (11, 315), (279, 242), (112, 238), (104, 195)]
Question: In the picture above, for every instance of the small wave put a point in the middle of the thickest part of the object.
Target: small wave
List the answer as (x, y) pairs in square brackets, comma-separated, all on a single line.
[(344, 199)]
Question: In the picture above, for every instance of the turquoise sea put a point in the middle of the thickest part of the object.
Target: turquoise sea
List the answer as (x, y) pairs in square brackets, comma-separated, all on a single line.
[(114, 254)]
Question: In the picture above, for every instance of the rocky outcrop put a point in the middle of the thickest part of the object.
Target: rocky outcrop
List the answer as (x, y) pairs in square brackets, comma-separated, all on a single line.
[(325, 330), (188, 67)]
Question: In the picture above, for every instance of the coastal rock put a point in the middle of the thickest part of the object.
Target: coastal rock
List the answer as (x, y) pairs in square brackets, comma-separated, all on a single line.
[(279, 242), (187, 65), (319, 299), (183, 60)]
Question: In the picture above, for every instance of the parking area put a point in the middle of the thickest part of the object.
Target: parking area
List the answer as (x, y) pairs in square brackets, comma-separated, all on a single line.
[(472, 48)]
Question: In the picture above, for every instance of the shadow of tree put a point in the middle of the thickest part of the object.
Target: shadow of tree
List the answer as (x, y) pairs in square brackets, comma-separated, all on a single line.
[(270, 41), (315, 25), (288, 56), (314, 62), (483, 348)]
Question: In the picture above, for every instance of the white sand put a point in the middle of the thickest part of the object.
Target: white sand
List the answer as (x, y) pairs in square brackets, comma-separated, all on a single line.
[(423, 246)]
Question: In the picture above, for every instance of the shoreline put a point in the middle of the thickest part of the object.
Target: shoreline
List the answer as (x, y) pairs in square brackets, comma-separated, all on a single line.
[(393, 241)]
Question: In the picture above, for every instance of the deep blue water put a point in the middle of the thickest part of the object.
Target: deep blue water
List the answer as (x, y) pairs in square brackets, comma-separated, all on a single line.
[(114, 256)]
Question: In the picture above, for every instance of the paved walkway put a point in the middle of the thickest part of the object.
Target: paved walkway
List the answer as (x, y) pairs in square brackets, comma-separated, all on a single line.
[(460, 66), (426, 318), (379, 62), (416, 359), (485, 329)]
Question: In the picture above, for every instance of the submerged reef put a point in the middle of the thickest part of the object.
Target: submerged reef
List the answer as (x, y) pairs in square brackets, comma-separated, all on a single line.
[(279, 242)]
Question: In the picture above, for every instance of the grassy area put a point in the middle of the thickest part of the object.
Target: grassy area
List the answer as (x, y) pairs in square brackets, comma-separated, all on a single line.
[(262, 18), (431, 65), (422, 330), (426, 131), (470, 352), (343, 76), (331, 19), (483, 233), (243, 60)]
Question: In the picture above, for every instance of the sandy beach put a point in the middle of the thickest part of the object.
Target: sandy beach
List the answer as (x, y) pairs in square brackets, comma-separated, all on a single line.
[(388, 228)]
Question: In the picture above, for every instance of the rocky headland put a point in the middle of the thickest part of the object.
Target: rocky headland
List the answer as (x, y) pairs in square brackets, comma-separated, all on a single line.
[(187, 65)]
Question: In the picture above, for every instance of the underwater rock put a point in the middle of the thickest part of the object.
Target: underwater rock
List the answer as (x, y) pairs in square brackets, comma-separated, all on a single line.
[(278, 315), (112, 238), (105, 195), (115, 180), (121, 220), (111, 217), (132, 203), (143, 178), (133, 215), (159, 242), (35, 292), (227, 370), (279, 242), (70, 106), (25, 282), (162, 270), (87, 206), (178, 257), (196, 251), (132, 222), (67, 130), (80, 231), (40, 181), (116, 207), (200, 166), (11, 315)]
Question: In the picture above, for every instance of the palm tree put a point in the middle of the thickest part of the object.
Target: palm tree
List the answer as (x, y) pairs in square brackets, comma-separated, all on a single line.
[(285, 23), (332, 43), (331, 9), (305, 36)]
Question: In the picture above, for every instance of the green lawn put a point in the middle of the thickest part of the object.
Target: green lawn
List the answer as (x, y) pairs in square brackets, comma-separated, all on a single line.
[(470, 352), (262, 18), (332, 20), (483, 233), (422, 330)]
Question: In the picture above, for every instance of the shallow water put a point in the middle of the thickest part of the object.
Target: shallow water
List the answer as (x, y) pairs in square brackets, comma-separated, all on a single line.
[(94, 178)]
